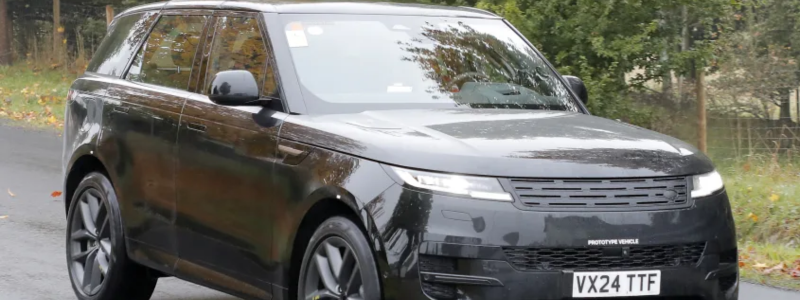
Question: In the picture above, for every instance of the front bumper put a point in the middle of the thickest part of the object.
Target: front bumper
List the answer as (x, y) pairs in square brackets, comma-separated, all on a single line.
[(435, 246)]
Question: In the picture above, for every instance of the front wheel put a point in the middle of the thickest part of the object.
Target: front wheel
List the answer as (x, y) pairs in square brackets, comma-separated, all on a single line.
[(338, 264), (97, 261)]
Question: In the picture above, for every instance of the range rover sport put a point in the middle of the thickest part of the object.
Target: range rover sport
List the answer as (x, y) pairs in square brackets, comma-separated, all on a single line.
[(371, 151)]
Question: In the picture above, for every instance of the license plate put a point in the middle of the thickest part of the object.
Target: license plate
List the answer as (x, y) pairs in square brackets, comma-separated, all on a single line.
[(615, 284)]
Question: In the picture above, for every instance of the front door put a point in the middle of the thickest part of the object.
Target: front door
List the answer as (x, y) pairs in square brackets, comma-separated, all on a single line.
[(226, 159)]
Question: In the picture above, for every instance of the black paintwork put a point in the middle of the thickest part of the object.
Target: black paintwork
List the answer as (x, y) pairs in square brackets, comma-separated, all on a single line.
[(223, 195)]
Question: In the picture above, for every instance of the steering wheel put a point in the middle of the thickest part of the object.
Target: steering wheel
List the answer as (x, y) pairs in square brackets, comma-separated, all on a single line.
[(454, 85)]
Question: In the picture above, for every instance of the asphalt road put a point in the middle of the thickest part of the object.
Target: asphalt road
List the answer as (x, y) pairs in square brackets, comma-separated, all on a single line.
[(32, 264)]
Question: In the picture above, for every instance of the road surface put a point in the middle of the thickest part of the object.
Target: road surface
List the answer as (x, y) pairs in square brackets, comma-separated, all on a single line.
[(32, 262)]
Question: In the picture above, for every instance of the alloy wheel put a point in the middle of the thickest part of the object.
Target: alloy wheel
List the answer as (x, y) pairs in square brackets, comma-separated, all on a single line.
[(334, 272), (89, 244)]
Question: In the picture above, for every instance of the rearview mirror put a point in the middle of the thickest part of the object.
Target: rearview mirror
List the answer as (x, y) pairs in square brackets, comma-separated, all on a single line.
[(234, 88), (577, 87)]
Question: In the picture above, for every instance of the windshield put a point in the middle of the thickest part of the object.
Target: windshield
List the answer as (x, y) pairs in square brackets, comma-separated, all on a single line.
[(353, 63)]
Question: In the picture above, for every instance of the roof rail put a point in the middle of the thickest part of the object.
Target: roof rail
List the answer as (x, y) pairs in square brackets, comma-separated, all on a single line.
[(479, 10)]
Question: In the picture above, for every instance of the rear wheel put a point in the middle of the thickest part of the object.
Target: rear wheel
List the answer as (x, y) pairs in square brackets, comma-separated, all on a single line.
[(98, 264), (338, 264)]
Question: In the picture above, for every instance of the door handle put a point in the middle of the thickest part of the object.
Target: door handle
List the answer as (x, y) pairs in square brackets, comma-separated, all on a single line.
[(290, 151), (196, 127), (293, 156), (121, 109)]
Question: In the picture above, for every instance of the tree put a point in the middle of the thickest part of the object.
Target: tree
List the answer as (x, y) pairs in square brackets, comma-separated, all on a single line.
[(5, 35), (758, 66), (602, 41)]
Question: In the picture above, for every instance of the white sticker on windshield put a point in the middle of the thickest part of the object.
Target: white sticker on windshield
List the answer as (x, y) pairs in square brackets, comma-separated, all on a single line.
[(296, 38), (398, 88), (315, 30), (400, 27)]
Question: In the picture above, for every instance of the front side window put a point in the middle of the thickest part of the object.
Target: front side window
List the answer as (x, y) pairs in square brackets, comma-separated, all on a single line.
[(166, 57), (119, 46), (352, 63), (238, 45)]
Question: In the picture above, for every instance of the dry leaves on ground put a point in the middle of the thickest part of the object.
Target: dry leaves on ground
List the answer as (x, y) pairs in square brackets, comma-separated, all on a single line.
[(10, 193)]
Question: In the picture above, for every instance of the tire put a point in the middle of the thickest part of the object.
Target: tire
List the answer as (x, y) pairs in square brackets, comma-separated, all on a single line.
[(338, 237), (96, 252)]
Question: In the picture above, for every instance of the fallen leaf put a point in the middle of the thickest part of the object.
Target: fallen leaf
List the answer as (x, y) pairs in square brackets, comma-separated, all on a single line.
[(60, 29), (779, 267), (3, 217), (741, 264), (774, 197), (10, 193), (753, 217), (760, 265), (55, 194)]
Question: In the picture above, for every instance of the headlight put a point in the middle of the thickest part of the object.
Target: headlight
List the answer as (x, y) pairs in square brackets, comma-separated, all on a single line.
[(706, 184), (475, 187)]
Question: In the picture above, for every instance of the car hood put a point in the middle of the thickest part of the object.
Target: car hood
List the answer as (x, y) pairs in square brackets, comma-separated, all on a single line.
[(494, 142)]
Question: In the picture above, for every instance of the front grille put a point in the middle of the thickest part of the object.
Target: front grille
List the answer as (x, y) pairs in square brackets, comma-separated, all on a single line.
[(538, 259), (602, 194)]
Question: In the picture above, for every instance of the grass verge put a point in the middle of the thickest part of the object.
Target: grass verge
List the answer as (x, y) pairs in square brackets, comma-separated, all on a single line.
[(765, 199), (33, 97)]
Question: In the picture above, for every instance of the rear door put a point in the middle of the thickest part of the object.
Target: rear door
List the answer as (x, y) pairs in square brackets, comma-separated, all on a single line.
[(226, 159), (144, 113)]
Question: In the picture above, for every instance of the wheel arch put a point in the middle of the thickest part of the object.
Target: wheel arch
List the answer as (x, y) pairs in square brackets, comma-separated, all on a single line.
[(81, 166), (324, 203)]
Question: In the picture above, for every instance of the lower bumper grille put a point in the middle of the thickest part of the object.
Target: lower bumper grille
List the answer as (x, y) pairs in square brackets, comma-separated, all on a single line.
[(536, 259)]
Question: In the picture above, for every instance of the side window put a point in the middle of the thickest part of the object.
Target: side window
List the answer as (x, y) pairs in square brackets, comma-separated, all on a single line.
[(238, 45), (119, 45), (167, 56)]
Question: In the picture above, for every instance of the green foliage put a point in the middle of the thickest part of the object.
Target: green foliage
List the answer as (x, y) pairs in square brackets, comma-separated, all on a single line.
[(602, 41)]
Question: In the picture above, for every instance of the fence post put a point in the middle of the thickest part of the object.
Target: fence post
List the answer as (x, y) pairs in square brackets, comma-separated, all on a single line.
[(701, 110), (109, 14)]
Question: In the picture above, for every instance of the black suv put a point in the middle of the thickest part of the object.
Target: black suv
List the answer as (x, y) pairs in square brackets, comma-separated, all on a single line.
[(371, 151)]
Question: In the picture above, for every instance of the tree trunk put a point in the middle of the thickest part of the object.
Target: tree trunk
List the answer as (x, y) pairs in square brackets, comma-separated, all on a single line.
[(685, 34), (701, 110), (56, 29), (10, 26), (5, 39)]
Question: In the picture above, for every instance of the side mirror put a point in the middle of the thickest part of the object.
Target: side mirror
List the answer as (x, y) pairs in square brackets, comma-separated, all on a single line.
[(577, 86), (234, 88)]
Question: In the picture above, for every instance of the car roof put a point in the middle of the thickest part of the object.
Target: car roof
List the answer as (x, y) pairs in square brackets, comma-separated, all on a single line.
[(320, 7)]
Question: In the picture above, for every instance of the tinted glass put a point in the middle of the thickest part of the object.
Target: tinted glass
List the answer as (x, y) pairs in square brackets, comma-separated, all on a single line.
[(166, 57), (118, 47), (351, 63), (238, 45)]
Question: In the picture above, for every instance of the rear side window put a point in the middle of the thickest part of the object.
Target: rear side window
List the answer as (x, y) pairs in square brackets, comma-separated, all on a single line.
[(238, 45), (166, 57), (120, 44)]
